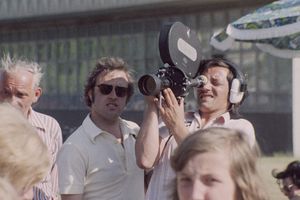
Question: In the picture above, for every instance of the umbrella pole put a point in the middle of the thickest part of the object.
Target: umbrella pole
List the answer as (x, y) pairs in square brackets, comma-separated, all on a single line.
[(296, 107)]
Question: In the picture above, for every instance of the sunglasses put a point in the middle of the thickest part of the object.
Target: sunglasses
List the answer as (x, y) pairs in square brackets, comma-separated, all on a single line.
[(107, 89)]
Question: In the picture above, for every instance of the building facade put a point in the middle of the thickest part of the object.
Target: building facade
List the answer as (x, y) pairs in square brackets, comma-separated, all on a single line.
[(68, 36)]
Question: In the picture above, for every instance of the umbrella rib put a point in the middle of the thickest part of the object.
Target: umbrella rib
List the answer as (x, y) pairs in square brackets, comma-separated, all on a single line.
[(263, 33)]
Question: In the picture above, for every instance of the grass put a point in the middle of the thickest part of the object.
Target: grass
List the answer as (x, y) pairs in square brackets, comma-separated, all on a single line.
[(266, 165)]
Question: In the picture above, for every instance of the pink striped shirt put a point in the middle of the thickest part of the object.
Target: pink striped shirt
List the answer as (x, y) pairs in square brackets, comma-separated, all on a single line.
[(50, 132)]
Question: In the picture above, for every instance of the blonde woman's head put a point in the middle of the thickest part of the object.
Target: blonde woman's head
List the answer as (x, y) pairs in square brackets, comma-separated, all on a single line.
[(24, 158), (223, 161)]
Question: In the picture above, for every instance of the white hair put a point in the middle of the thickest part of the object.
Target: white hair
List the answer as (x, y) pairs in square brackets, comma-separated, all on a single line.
[(9, 64)]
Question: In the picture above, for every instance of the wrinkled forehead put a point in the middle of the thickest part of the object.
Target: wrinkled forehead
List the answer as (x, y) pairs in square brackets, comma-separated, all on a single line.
[(20, 72), (18, 77), (215, 68), (16, 71), (216, 72)]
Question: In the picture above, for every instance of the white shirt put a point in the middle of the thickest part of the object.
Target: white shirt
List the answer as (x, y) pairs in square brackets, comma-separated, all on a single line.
[(93, 163)]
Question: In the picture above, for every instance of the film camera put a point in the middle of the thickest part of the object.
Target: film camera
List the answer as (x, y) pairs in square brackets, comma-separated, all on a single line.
[(179, 49)]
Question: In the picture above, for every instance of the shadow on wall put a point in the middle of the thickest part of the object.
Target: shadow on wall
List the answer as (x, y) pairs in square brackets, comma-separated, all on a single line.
[(273, 130)]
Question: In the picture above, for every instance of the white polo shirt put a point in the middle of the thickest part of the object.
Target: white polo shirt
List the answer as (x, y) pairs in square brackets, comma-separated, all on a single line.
[(93, 163)]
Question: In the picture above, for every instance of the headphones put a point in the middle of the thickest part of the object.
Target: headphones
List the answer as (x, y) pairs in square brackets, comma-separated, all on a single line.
[(237, 87)]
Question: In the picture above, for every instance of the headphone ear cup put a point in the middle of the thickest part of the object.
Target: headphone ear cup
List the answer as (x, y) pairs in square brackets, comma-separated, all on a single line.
[(235, 94)]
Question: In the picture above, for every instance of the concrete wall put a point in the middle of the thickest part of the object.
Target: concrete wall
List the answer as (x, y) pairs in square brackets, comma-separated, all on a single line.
[(20, 9)]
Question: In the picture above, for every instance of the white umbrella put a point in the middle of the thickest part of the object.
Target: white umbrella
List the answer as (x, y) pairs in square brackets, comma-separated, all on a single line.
[(274, 28)]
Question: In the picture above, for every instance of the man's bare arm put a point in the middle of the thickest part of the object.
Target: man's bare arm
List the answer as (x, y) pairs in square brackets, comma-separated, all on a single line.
[(147, 145)]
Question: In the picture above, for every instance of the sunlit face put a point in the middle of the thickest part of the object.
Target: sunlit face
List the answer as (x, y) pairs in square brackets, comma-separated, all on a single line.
[(109, 107), (18, 89), (206, 176), (213, 96)]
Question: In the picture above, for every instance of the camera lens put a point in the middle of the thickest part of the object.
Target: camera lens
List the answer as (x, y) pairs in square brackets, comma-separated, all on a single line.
[(149, 85)]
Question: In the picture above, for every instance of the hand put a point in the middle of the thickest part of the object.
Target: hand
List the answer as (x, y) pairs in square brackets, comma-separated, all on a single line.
[(172, 110)]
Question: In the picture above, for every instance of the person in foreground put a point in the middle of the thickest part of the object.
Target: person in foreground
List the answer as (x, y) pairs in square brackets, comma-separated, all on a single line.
[(218, 101), (217, 164), (19, 86), (24, 158), (98, 160), (289, 180)]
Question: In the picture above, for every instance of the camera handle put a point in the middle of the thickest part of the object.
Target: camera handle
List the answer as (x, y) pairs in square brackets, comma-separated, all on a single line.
[(160, 96), (160, 99)]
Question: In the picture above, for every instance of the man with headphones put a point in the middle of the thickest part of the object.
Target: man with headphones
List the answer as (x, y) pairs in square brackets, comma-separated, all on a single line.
[(166, 125), (289, 180)]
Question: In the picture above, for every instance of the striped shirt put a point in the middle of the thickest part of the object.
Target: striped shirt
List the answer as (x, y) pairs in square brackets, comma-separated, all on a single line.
[(50, 132), (160, 186)]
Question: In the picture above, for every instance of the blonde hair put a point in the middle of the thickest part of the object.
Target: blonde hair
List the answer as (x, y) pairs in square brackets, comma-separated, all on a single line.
[(242, 157), (11, 65), (7, 191), (24, 158)]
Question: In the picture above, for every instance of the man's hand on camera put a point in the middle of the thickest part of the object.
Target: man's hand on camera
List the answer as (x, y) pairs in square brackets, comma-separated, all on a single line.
[(172, 110)]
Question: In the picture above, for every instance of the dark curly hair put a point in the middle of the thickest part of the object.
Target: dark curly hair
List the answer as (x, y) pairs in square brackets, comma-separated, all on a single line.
[(107, 64)]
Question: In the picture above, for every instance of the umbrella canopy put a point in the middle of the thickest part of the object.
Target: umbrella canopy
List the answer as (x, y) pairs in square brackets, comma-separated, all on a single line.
[(275, 28)]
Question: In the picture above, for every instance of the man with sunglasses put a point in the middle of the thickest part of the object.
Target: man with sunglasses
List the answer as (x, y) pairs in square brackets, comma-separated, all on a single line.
[(98, 160), (289, 180)]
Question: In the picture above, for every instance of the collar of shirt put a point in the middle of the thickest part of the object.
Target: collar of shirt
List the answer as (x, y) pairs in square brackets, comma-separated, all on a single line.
[(90, 128), (129, 128), (93, 131), (34, 120), (221, 120)]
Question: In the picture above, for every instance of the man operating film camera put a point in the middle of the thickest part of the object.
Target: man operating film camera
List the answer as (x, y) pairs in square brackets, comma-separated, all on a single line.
[(219, 88)]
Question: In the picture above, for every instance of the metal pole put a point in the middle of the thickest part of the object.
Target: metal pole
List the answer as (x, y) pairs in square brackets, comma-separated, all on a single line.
[(296, 107)]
